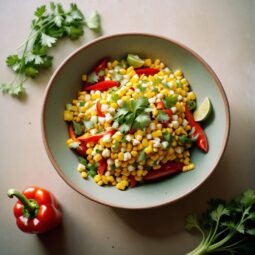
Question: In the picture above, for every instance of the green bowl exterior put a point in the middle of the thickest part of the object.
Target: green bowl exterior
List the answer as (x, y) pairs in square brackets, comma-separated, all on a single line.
[(65, 84)]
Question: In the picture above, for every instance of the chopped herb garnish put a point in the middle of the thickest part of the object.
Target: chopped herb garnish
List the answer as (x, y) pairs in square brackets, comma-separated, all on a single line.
[(162, 116), (132, 114), (167, 137), (178, 84), (83, 161), (88, 124), (142, 156), (185, 139), (170, 101), (78, 128), (93, 77), (192, 105)]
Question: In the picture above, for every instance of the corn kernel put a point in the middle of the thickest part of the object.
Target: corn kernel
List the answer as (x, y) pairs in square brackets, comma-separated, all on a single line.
[(100, 183), (147, 62), (148, 150), (84, 175), (188, 167), (120, 186), (139, 173), (97, 178), (121, 156), (97, 157), (154, 112), (68, 115), (145, 142), (122, 71), (138, 178), (178, 73)]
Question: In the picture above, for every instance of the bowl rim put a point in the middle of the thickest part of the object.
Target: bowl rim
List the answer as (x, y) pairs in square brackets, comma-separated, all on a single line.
[(107, 37)]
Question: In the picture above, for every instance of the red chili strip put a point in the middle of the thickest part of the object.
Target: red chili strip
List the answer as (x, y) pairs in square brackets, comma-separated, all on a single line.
[(202, 142), (102, 85), (99, 109), (165, 170), (102, 167), (95, 138), (146, 71)]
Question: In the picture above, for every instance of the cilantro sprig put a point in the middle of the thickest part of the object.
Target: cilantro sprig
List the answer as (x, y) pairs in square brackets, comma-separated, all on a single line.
[(226, 227), (132, 115), (48, 26)]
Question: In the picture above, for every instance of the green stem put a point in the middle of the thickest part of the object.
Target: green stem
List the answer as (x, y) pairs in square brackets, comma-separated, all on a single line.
[(30, 205)]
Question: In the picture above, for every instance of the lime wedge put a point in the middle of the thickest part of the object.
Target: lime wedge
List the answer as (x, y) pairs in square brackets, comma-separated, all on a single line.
[(134, 60), (203, 110)]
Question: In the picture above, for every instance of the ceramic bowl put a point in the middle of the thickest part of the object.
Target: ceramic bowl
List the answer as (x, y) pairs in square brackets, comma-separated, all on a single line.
[(66, 82)]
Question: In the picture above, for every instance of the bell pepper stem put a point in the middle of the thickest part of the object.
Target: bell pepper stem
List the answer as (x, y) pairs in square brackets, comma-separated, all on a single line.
[(29, 204)]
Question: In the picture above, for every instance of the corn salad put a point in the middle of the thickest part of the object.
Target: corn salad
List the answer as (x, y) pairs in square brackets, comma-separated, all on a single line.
[(145, 135)]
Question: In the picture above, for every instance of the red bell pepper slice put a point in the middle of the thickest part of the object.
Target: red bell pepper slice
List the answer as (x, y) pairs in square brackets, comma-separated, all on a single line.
[(95, 138), (81, 150), (168, 112), (146, 71), (166, 170), (102, 85), (160, 105), (101, 65), (36, 211), (102, 167), (202, 142), (71, 132), (99, 110), (133, 181)]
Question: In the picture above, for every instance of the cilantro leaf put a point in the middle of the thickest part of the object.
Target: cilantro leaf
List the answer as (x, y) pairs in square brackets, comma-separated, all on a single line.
[(16, 90), (83, 161), (141, 121), (170, 101), (124, 128), (31, 71), (78, 128), (40, 11), (162, 116), (141, 103), (93, 77), (141, 156), (47, 40), (88, 124), (74, 32), (58, 20), (115, 97), (167, 137), (191, 221), (93, 22), (12, 60), (248, 198)]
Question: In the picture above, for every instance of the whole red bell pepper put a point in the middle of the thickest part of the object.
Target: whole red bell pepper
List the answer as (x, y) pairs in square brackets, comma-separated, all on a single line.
[(146, 71), (99, 110), (36, 211), (81, 150), (165, 170), (102, 85), (95, 138), (202, 142)]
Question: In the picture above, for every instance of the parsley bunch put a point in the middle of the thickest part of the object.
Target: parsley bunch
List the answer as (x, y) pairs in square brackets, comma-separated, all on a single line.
[(226, 227), (133, 114), (48, 26)]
